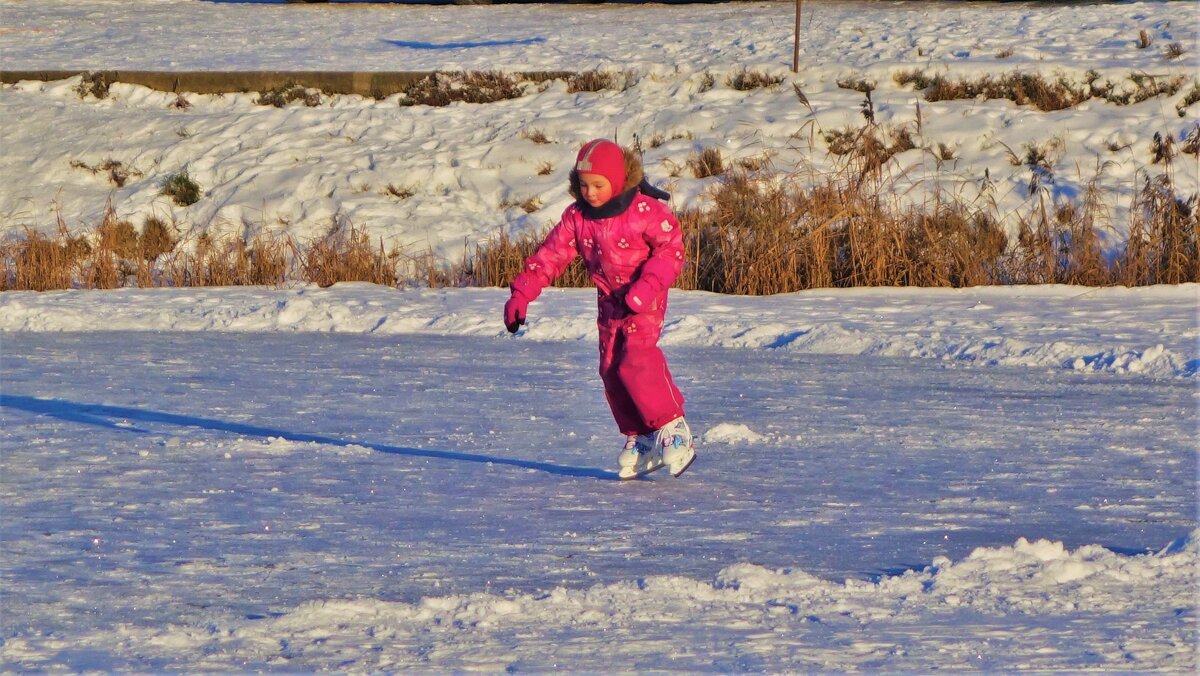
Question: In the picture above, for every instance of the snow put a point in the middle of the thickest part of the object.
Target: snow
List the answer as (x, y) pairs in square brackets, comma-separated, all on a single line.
[(297, 170), (304, 479), (360, 478), (1041, 326)]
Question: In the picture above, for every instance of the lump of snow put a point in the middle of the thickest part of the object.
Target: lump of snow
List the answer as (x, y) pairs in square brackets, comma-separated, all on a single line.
[(730, 433)]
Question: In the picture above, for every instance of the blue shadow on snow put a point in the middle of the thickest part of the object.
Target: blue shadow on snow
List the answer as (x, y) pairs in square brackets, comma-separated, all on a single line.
[(100, 414), (414, 44)]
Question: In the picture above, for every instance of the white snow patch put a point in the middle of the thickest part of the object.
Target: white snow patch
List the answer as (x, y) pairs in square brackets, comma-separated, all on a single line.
[(1003, 591), (295, 169), (1043, 327), (731, 433)]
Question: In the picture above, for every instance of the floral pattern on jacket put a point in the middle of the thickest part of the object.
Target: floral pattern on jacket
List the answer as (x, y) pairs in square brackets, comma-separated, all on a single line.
[(635, 256)]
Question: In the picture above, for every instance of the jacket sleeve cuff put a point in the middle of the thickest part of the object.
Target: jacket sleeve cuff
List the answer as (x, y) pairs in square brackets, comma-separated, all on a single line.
[(521, 287), (641, 294)]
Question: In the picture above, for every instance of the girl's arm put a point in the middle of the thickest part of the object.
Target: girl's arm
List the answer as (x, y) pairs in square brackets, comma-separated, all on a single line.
[(549, 261), (659, 271)]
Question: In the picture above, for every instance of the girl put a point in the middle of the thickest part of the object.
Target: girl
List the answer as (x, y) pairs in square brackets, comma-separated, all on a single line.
[(633, 250)]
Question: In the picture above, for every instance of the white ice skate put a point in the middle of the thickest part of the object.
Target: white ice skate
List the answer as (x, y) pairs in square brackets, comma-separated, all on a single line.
[(675, 441), (640, 457)]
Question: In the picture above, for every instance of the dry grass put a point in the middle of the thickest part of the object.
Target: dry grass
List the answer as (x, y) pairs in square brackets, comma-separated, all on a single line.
[(1163, 236), (182, 189), (228, 261), (501, 258), (93, 83), (536, 135), (867, 149), (346, 254), (288, 92), (1036, 90), (765, 237), (803, 98), (707, 162), (42, 263), (746, 80), (1188, 99), (114, 255), (599, 80), (762, 235), (118, 174), (399, 192), (442, 89), (107, 257), (1191, 142), (944, 152), (859, 84), (590, 81), (754, 163), (527, 204)]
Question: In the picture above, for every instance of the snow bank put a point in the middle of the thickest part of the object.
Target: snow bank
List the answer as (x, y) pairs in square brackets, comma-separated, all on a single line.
[(751, 618), (296, 169), (844, 35), (1151, 331)]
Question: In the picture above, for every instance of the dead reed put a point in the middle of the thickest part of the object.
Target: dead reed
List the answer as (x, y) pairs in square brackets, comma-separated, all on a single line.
[(707, 162), (182, 188), (288, 92), (1036, 90), (497, 261), (118, 174), (346, 254), (761, 235), (536, 136), (764, 236), (747, 80), (95, 83), (442, 89), (599, 80), (1163, 237)]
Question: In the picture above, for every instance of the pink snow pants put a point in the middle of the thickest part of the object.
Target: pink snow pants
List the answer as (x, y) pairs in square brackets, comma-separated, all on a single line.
[(637, 383)]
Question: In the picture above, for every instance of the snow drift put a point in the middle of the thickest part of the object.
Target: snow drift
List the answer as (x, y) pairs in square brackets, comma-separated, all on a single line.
[(747, 618), (1045, 327)]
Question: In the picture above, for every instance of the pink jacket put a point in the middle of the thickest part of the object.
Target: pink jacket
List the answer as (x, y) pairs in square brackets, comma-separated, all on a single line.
[(635, 255)]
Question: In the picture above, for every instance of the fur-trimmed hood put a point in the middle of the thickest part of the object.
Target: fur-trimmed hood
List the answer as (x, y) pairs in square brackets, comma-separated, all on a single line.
[(633, 175)]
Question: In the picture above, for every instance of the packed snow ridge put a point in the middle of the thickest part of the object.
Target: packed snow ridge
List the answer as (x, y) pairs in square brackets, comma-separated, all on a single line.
[(1015, 595), (1044, 326)]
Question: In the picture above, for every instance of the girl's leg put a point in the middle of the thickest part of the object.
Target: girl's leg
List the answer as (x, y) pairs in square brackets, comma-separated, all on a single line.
[(642, 370), (624, 410)]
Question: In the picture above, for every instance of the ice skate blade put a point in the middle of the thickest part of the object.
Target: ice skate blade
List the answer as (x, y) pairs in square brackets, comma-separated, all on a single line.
[(629, 473)]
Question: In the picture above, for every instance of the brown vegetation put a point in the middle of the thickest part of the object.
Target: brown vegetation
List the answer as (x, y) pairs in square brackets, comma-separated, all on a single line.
[(288, 92), (761, 235), (442, 89), (746, 80), (766, 237), (1036, 90)]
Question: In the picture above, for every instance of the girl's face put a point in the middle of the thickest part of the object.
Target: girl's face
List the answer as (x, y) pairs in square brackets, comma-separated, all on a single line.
[(595, 188)]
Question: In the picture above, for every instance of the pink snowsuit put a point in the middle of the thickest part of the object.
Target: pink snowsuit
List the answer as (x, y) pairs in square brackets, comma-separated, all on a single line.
[(633, 258)]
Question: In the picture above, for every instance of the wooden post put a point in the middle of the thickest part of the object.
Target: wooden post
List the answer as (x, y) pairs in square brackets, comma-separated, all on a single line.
[(796, 48)]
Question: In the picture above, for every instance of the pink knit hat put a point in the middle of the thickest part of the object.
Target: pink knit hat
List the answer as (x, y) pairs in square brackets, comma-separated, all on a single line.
[(601, 156)]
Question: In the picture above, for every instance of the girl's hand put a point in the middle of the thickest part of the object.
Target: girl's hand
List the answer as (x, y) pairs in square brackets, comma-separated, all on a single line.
[(514, 312)]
